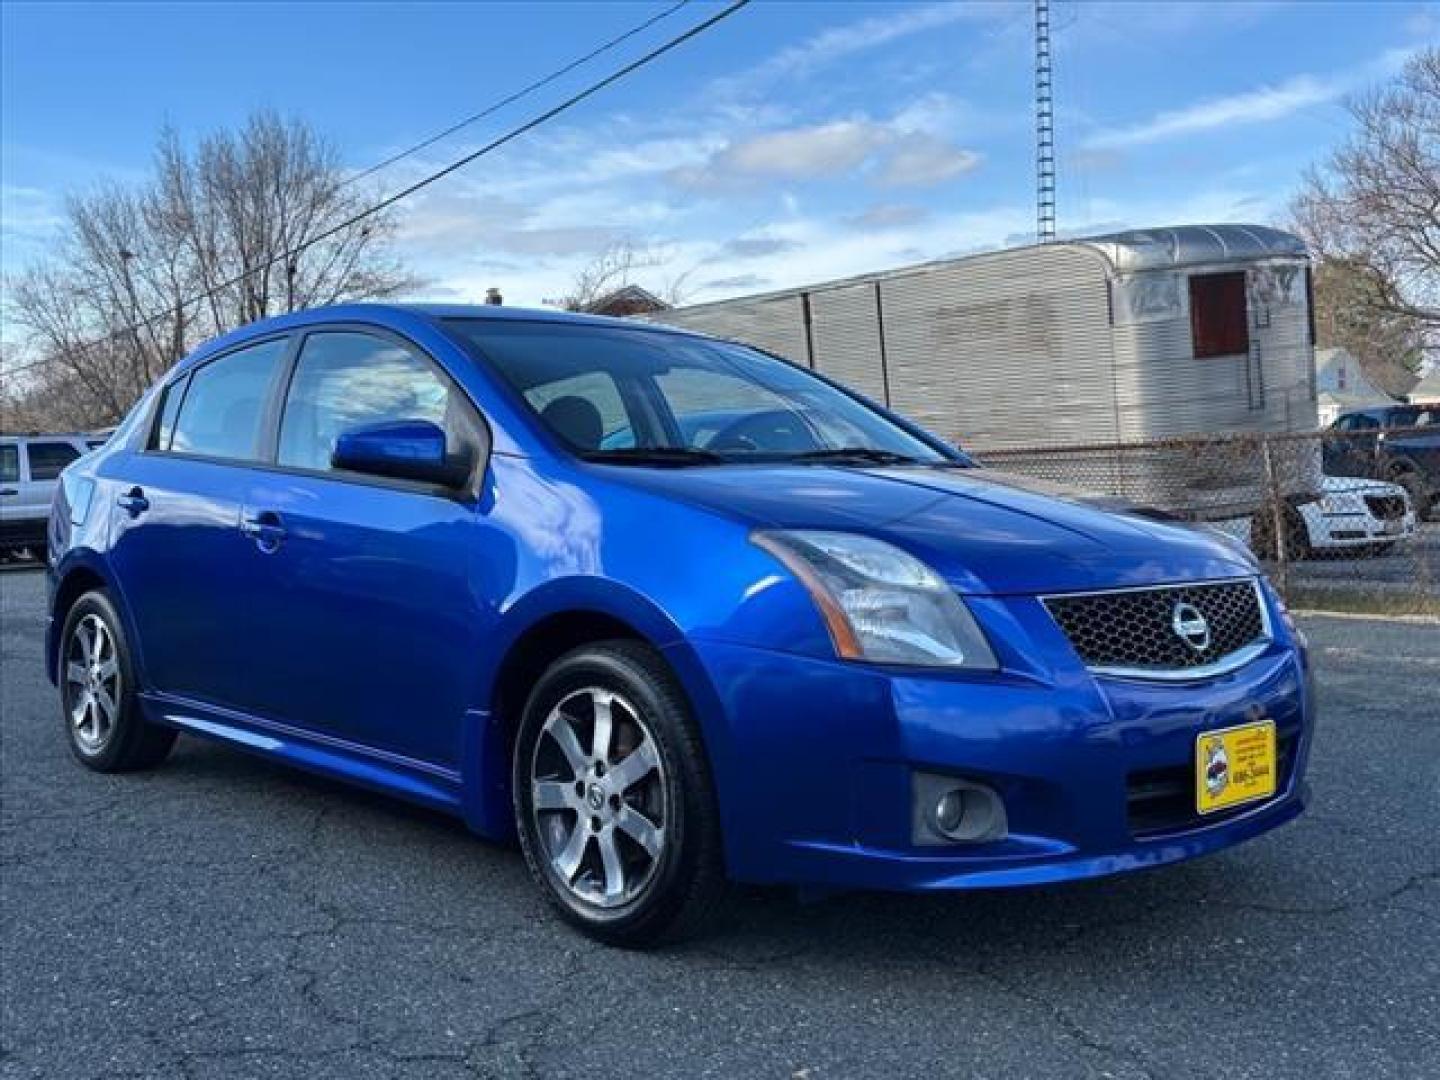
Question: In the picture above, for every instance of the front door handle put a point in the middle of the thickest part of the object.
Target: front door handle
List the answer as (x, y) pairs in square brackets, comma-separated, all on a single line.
[(264, 527), (8, 491), (133, 502)]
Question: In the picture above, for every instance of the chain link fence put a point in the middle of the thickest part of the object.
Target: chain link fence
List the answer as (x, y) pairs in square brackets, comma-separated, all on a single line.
[(1340, 521)]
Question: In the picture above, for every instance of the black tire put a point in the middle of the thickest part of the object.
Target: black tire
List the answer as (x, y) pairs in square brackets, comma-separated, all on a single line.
[(1421, 498), (683, 887), (129, 741)]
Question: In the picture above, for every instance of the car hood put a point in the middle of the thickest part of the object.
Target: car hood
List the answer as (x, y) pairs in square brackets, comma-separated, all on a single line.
[(986, 531), (1346, 485)]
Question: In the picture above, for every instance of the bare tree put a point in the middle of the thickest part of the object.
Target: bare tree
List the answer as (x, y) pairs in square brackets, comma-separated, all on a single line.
[(617, 266), (1351, 314), (222, 235), (1373, 209)]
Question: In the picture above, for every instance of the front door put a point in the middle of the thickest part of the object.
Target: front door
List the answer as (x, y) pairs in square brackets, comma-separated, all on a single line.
[(373, 631)]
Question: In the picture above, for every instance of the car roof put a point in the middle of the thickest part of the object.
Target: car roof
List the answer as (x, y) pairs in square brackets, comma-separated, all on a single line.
[(396, 315), (16, 436)]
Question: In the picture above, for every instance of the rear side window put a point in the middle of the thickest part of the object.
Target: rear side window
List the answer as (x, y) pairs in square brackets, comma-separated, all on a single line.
[(346, 380), (1219, 322), (47, 459), (9, 464), (223, 409)]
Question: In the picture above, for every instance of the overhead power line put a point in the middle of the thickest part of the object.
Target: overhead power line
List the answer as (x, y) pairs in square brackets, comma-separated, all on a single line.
[(404, 193), (510, 99)]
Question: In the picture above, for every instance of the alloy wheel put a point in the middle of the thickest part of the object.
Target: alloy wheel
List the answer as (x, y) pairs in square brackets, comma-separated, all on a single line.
[(92, 683), (598, 797)]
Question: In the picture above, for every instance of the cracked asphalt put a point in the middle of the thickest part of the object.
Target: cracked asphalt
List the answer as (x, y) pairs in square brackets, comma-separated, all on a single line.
[(222, 917)]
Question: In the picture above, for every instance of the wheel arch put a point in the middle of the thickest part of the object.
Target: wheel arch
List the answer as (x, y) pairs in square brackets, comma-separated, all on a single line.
[(78, 575), (537, 631)]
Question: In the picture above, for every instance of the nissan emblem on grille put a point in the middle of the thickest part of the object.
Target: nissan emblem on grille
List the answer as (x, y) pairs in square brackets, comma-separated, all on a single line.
[(1190, 626), (1165, 629)]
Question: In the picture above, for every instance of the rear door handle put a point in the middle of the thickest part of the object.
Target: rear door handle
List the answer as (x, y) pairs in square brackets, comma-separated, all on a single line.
[(133, 502), (264, 527)]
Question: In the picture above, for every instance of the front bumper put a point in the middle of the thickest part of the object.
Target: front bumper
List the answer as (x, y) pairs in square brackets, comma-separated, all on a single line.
[(815, 761), (1343, 530)]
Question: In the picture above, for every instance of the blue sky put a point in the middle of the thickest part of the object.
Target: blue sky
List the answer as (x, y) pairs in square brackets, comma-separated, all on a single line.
[(795, 142)]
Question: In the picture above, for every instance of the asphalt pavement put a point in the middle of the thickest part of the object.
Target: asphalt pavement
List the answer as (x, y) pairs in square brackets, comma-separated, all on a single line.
[(223, 917)]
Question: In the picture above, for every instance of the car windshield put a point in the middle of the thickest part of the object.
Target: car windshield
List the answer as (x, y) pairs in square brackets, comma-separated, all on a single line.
[(651, 396)]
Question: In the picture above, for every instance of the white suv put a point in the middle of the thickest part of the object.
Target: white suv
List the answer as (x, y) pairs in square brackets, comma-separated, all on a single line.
[(30, 466)]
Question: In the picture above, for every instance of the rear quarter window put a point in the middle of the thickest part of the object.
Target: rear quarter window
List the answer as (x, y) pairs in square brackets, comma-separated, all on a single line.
[(9, 464)]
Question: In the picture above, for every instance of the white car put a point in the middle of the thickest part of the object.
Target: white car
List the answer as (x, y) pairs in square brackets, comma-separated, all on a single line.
[(30, 466), (1357, 513)]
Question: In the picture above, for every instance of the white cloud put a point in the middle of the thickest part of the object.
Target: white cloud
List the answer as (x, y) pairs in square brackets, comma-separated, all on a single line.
[(839, 42), (887, 215), (1260, 105), (898, 152), (1251, 107), (804, 153), (738, 284), (922, 160), (756, 247)]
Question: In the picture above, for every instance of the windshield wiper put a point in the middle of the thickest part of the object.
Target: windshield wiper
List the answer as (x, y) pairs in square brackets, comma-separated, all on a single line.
[(655, 455), (867, 455)]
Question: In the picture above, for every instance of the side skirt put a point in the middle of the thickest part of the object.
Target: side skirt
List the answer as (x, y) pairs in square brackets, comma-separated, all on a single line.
[(393, 774)]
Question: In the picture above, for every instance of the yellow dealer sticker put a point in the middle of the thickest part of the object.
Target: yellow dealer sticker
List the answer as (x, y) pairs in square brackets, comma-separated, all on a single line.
[(1235, 765)]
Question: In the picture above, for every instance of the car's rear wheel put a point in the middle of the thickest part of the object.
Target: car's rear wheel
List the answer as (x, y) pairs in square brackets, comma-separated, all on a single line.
[(103, 723), (613, 798)]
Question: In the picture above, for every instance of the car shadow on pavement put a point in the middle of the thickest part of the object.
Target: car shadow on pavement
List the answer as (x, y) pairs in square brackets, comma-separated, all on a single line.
[(765, 923)]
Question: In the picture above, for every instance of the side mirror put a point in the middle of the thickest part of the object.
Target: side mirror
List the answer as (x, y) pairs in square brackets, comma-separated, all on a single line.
[(401, 450)]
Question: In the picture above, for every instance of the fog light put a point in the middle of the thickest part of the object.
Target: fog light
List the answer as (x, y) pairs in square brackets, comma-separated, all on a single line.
[(951, 811)]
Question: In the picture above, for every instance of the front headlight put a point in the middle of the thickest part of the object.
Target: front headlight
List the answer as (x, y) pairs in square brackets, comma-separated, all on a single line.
[(879, 603)]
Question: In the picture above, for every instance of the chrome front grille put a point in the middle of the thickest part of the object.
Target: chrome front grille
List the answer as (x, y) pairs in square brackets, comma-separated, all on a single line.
[(1172, 631)]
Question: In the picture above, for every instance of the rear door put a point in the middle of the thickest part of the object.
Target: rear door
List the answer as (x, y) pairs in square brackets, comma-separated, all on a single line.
[(188, 575), (371, 632)]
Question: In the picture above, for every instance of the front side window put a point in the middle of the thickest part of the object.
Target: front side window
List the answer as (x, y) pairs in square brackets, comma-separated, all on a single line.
[(48, 459), (224, 407), (9, 464), (345, 380), (1219, 321), (682, 395)]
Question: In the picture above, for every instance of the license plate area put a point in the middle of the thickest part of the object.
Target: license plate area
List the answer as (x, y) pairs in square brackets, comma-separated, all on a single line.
[(1234, 766)]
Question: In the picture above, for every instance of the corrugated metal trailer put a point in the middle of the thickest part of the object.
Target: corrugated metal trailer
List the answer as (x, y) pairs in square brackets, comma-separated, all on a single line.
[(1131, 337)]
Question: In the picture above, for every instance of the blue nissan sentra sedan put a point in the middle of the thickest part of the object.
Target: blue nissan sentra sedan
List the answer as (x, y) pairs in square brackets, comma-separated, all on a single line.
[(670, 611)]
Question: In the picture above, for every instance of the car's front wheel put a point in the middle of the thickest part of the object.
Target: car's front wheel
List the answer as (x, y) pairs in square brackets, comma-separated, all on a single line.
[(613, 797), (103, 723)]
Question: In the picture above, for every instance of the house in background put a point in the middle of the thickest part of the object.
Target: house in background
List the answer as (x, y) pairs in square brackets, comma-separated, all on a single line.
[(627, 301), (1341, 385)]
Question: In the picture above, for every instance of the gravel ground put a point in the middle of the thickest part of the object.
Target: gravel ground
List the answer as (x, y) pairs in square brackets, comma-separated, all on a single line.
[(223, 917)]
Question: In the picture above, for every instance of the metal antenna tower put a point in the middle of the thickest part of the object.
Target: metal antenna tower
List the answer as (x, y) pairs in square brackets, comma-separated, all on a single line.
[(1044, 128)]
